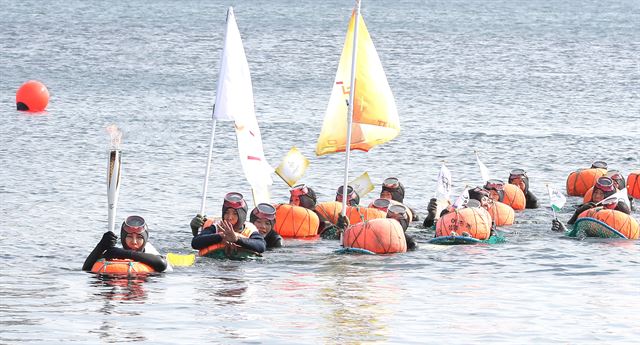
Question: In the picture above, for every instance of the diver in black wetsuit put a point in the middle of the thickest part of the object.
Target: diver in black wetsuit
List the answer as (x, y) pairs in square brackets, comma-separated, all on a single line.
[(393, 189), (604, 188), (399, 213), (133, 236), (304, 196), (519, 178), (263, 216), (231, 229)]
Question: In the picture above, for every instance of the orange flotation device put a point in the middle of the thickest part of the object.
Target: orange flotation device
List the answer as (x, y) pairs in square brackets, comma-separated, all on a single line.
[(581, 180), (330, 210), (120, 267), (587, 196), (633, 184), (381, 236), (296, 222), (502, 214), (358, 214), (620, 221), (249, 228), (514, 197), (475, 221)]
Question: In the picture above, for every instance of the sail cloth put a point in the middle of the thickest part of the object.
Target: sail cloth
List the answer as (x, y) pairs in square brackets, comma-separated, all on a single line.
[(375, 117), (234, 102)]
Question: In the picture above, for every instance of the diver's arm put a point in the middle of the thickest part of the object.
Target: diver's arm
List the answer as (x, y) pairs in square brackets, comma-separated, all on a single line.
[(255, 242), (158, 263)]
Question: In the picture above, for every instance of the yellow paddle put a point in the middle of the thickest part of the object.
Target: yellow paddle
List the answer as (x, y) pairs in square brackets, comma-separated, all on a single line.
[(181, 260)]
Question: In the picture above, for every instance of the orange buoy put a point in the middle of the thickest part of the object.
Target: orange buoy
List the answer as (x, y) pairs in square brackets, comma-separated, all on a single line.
[(633, 184), (295, 221), (475, 221), (120, 266), (514, 197), (502, 214), (330, 210), (587, 196), (358, 214), (620, 221), (381, 236), (581, 180), (32, 96)]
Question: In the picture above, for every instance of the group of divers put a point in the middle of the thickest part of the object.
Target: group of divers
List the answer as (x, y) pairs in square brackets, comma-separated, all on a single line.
[(259, 234)]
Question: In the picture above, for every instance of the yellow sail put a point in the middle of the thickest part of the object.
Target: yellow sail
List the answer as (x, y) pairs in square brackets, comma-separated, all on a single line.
[(375, 117)]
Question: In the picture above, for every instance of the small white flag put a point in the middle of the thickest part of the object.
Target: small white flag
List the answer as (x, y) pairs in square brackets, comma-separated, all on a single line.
[(362, 184), (443, 189), (293, 166), (556, 197), (484, 172), (462, 198)]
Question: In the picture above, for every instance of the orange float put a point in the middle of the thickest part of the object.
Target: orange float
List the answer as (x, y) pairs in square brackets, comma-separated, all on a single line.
[(330, 210), (381, 236), (295, 221), (633, 184), (502, 214), (120, 267), (475, 221), (587, 195), (581, 180), (620, 221), (357, 214), (514, 197), (32, 96)]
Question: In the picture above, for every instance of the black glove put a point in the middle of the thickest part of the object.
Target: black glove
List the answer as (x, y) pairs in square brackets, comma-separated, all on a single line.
[(196, 223), (557, 226), (432, 207), (343, 222), (117, 253), (109, 239)]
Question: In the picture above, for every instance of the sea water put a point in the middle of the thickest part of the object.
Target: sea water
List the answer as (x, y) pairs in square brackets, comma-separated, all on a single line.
[(547, 86)]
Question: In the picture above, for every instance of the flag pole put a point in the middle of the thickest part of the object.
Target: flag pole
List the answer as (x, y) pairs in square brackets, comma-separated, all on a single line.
[(352, 89), (205, 183), (551, 201)]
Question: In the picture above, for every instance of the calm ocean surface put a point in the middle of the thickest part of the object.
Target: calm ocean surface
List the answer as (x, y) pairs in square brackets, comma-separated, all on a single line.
[(548, 86)]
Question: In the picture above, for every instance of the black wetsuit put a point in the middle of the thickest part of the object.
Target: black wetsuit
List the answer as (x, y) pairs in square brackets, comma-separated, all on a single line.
[(209, 237), (157, 262), (532, 200), (273, 239)]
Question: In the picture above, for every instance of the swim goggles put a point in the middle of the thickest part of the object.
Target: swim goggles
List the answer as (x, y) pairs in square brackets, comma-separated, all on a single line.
[(381, 204), (134, 225), (516, 173), (605, 184), (497, 185), (264, 211), (298, 190), (234, 200), (397, 210), (351, 193), (391, 183), (599, 165)]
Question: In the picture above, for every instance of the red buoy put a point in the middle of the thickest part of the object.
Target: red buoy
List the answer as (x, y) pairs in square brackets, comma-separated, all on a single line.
[(32, 96)]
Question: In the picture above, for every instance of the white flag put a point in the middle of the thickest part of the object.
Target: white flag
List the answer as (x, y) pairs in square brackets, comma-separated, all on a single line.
[(556, 198), (484, 172), (293, 166), (362, 184), (620, 195), (462, 198), (443, 189), (234, 101), (234, 94)]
